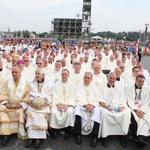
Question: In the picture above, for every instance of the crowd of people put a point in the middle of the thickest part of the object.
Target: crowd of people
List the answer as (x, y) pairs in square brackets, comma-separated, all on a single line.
[(98, 89)]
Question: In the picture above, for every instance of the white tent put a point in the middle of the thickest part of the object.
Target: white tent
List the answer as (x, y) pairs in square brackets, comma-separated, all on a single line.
[(96, 38)]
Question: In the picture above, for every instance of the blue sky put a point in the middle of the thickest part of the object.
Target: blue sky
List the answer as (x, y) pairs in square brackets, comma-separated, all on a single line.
[(107, 15)]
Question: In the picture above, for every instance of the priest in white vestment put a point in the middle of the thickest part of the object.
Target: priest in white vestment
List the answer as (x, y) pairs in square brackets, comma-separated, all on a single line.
[(55, 75), (138, 97), (39, 108), (24, 70), (131, 79), (143, 71), (125, 73), (62, 110), (99, 78), (120, 82), (87, 111), (14, 98), (77, 76), (115, 118), (29, 66), (4, 74)]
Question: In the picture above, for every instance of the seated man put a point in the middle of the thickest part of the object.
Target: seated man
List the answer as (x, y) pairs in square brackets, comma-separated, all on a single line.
[(138, 97), (14, 98), (115, 117), (87, 111), (62, 110), (38, 110)]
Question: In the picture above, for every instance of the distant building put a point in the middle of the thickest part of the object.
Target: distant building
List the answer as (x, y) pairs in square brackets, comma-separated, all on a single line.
[(1, 34), (6, 34)]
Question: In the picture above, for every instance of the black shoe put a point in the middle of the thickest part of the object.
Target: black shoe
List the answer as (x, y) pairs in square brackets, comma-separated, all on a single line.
[(37, 144), (140, 141), (67, 135), (79, 139), (30, 143), (105, 142), (123, 141), (5, 140), (94, 142), (54, 134)]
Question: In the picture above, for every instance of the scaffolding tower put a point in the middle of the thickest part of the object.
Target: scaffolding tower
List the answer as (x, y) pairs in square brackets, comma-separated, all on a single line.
[(67, 28), (86, 18)]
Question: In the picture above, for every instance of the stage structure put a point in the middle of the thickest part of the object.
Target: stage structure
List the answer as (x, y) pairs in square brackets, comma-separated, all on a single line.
[(67, 28), (86, 18), (74, 28)]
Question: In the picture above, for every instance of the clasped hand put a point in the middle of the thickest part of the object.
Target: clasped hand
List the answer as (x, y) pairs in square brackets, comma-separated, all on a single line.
[(89, 107), (9, 106), (62, 107)]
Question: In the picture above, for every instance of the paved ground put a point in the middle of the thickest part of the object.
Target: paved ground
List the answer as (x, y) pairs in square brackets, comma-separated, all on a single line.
[(61, 144), (146, 62)]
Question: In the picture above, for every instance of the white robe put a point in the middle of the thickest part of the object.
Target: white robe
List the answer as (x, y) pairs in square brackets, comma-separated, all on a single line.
[(76, 78), (99, 79), (121, 84), (87, 95), (31, 71), (143, 123), (55, 76), (112, 122), (25, 74), (3, 76), (63, 93), (37, 120)]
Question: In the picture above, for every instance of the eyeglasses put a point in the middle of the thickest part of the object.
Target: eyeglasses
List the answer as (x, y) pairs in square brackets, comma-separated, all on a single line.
[(121, 67), (26, 61), (64, 74), (87, 78)]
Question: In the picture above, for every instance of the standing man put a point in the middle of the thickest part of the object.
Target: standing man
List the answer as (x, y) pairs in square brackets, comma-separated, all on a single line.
[(39, 108), (62, 110), (87, 111), (14, 98)]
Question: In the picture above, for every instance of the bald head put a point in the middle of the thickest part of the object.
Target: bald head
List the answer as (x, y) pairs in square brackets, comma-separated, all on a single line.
[(111, 78), (16, 73), (88, 76), (118, 72)]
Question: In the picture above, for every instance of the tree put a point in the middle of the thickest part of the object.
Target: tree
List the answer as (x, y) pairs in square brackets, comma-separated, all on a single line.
[(18, 33), (34, 32), (44, 35)]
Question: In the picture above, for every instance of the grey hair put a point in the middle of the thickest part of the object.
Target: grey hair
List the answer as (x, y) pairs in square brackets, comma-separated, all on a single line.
[(41, 70)]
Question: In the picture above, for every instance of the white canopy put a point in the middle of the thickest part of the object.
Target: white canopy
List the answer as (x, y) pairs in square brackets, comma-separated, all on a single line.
[(97, 37)]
